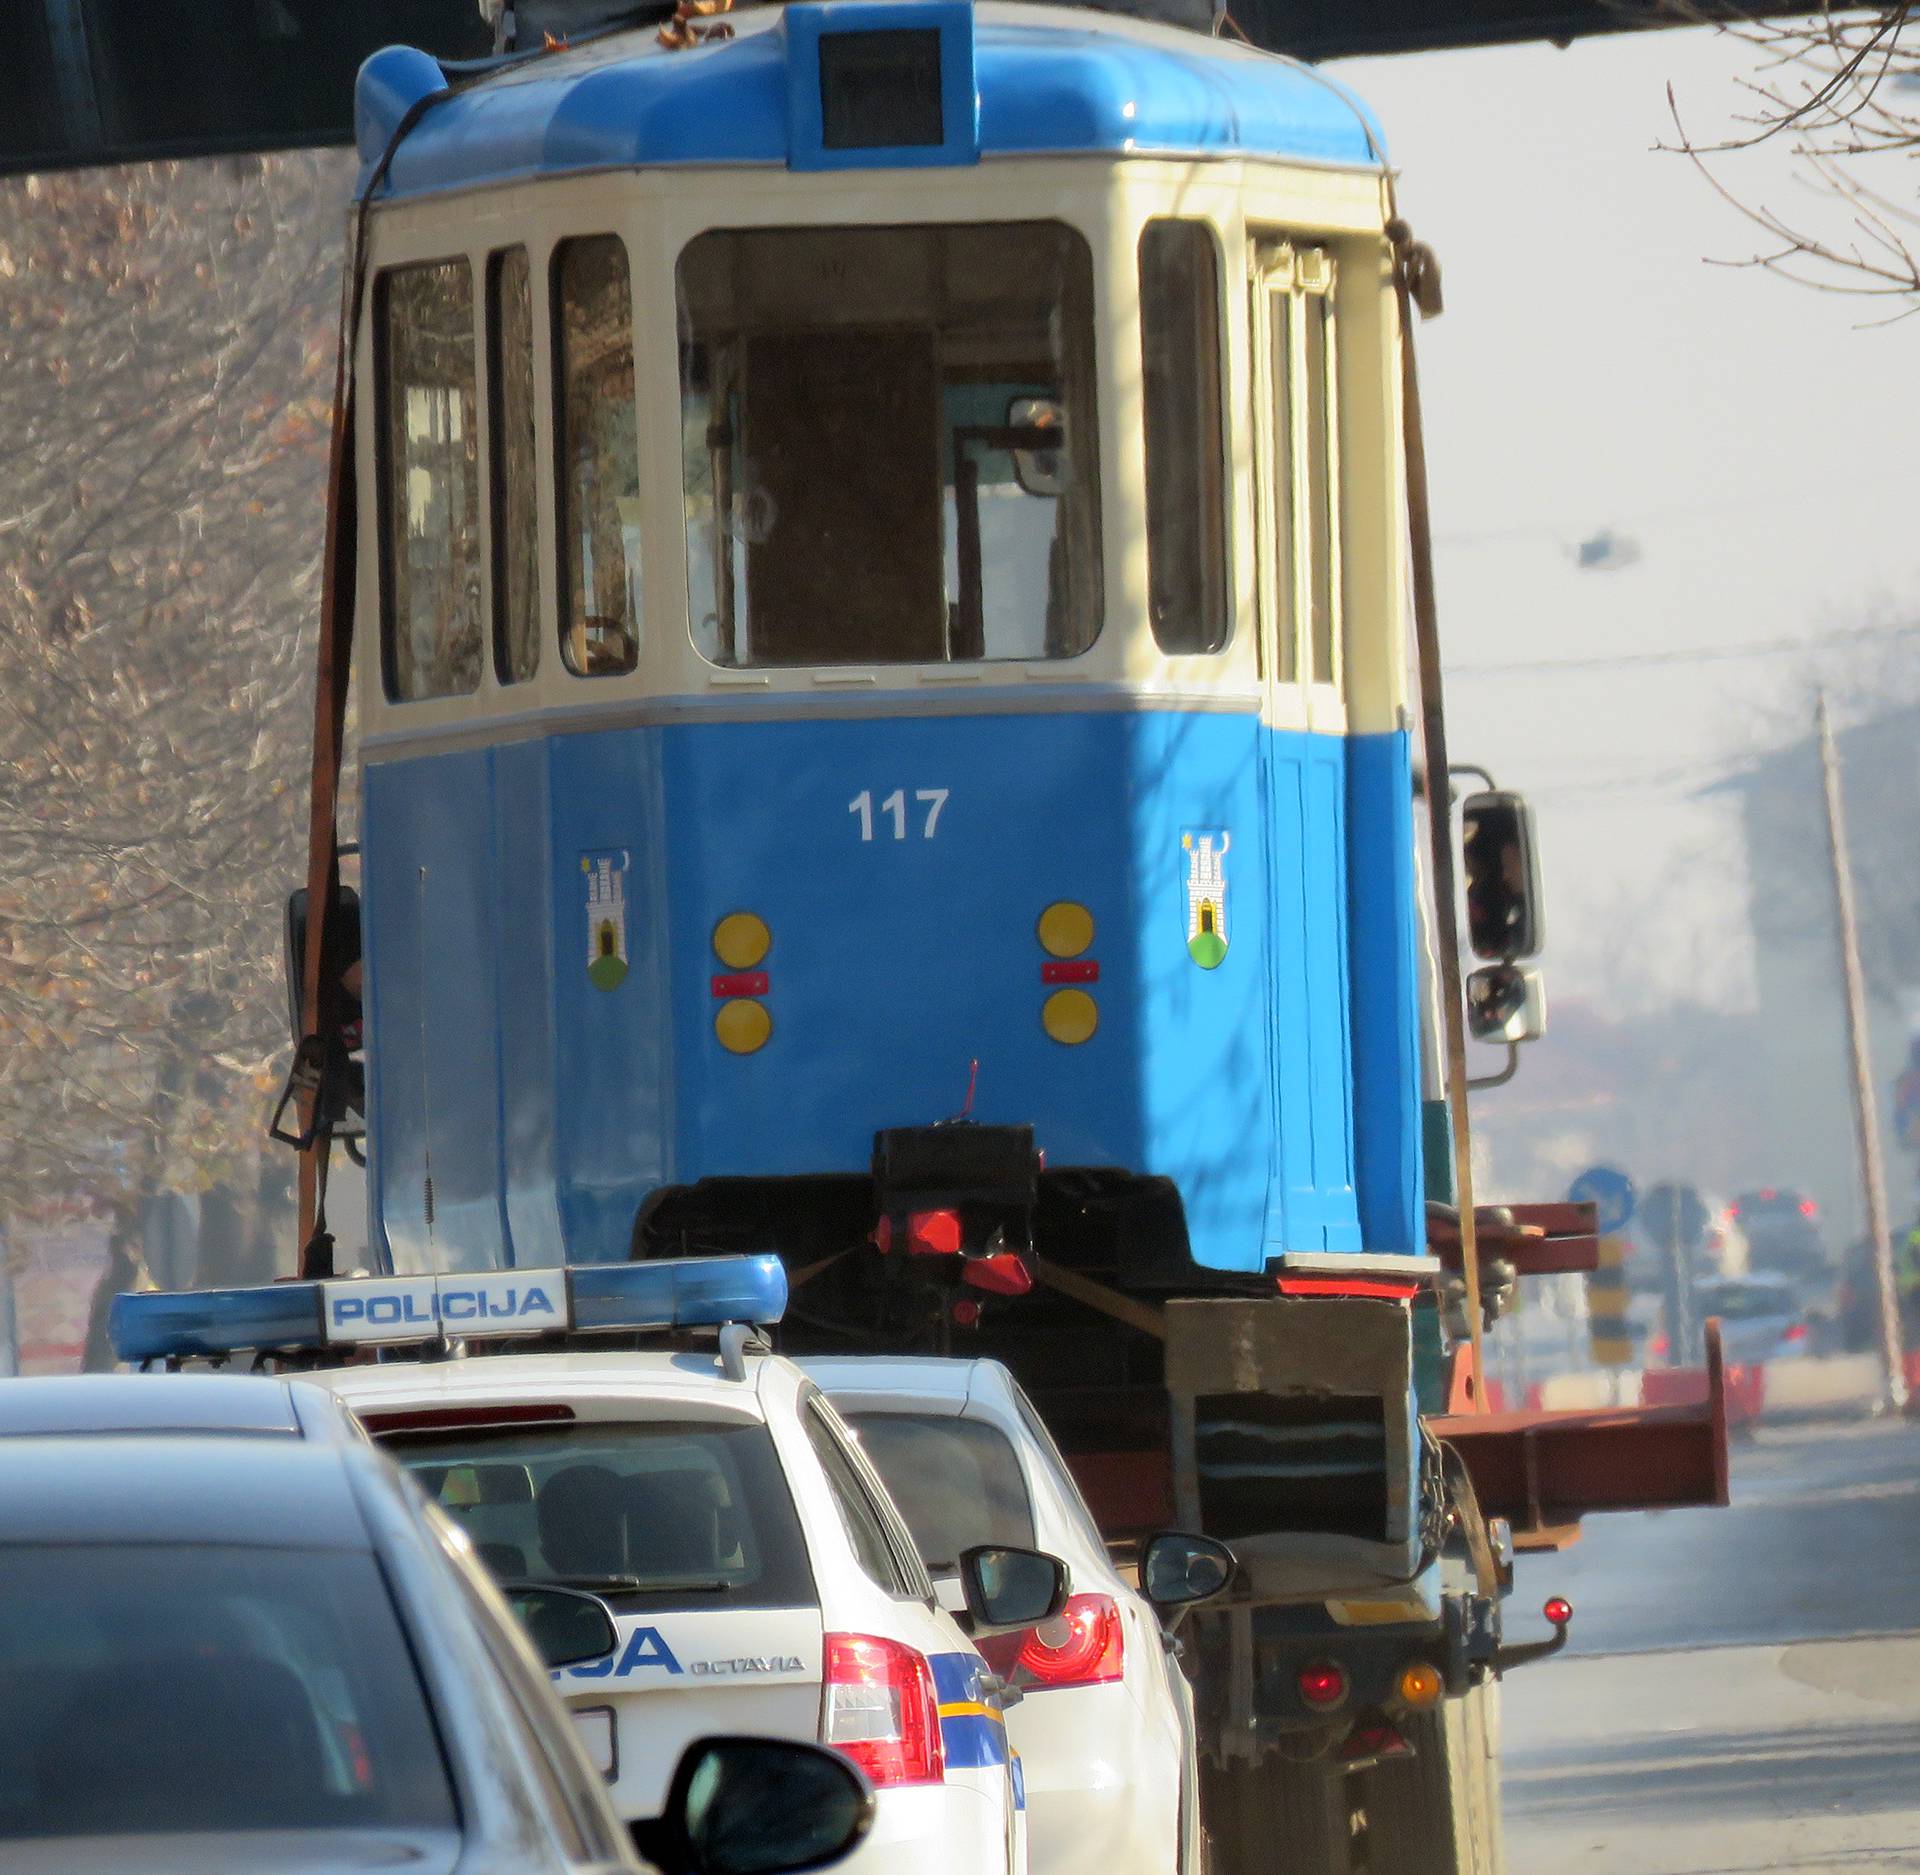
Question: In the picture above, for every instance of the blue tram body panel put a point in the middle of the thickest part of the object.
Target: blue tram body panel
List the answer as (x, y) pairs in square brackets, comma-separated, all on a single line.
[(1044, 82), (525, 1105)]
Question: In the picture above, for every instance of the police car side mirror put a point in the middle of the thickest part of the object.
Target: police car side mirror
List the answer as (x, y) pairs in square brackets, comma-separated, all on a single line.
[(1178, 1568), (566, 1626), (756, 1806), (1011, 1588)]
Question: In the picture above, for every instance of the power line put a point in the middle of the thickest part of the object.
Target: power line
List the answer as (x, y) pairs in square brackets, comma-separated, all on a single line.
[(1713, 654)]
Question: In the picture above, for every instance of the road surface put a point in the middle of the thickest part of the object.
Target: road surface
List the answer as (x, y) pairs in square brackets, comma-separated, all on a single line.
[(1742, 1693)]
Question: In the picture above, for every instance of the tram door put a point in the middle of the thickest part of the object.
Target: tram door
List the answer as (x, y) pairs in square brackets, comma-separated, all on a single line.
[(1297, 484)]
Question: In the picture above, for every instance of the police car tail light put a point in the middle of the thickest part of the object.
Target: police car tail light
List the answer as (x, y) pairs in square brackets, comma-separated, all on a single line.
[(1083, 1645), (880, 1709)]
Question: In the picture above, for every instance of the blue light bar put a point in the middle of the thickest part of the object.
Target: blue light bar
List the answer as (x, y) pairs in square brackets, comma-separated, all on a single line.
[(396, 1311), (148, 1325), (678, 1292)]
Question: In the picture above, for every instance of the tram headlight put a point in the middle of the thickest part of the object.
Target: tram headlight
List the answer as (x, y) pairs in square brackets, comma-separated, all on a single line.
[(1065, 929), (742, 1026), (741, 940), (1070, 1016)]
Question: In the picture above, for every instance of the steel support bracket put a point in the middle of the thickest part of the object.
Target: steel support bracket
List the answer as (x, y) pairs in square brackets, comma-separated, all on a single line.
[(1544, 1471)]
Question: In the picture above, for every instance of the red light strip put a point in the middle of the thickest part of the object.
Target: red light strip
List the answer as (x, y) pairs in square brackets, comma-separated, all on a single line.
[(1345, 1286), (1081, 970), (741, 983)]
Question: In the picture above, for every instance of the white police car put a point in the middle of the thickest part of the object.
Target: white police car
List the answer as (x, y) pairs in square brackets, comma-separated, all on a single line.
[(1104, 1725), (761, 1578)]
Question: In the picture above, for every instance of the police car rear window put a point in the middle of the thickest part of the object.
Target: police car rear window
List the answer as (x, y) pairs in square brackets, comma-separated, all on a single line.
[(208, 1688), (660, 1513)]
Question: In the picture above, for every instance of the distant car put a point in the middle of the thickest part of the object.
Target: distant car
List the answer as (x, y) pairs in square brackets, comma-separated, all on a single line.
[(1761, 1318), (1104, 1721), (262, 1654), (251, 1404), (1783, 1234)]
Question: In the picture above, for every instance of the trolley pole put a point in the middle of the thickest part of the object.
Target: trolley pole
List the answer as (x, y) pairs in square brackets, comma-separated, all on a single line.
[(1866, 1121)]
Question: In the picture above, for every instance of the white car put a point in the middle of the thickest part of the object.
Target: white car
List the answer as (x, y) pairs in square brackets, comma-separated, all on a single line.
[(761, 1578), (1104, 1724)]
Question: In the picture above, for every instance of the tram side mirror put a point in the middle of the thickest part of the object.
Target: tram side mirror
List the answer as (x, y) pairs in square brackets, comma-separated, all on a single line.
[(1505, 917), (1041, 466), (1506, 1004), (343, 947)]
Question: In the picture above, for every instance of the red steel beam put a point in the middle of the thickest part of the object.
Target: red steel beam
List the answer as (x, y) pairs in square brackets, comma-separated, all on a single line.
[(1544, 1471)]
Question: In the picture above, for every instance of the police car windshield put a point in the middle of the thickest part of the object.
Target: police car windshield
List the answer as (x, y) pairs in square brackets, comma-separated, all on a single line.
[(957, 1481), (656, 1512), (180, 1688)]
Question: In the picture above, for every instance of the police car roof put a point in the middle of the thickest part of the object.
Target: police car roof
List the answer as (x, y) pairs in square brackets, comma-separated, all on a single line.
[(928, 1374), (190, 1488), (602, 1374), (97, 1403), (1050, 80)]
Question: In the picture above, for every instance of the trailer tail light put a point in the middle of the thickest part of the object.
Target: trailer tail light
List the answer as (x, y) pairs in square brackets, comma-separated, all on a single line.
[(1001, 1274), (880, 1710), (1420, 1685), (1083, 1645), (1323, 1685)]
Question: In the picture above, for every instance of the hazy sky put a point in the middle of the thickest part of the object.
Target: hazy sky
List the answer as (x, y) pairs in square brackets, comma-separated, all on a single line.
[(1592, 371)]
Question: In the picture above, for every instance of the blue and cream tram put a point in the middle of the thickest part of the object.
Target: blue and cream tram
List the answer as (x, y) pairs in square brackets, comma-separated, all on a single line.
[(880, 596)]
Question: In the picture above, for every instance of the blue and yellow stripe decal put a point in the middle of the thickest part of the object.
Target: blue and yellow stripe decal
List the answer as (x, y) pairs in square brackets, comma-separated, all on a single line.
[(973, 1732)]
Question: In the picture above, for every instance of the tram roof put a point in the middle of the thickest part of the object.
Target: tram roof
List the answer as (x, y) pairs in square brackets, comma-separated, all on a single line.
[(1049, 81)]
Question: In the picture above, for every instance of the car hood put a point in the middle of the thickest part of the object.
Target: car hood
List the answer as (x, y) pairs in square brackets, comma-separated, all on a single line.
[(241, 1852)]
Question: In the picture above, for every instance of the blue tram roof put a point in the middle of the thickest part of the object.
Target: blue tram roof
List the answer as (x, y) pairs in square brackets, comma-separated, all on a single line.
[(1048, 80)]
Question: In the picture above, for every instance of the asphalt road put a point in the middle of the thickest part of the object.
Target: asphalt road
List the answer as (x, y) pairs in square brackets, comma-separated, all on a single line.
[(1742, 1693)]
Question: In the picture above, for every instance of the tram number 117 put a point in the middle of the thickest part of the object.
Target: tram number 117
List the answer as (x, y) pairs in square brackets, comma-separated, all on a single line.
[(894, 809)]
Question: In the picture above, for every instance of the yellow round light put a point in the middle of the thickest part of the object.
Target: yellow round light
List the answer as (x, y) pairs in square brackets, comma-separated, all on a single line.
[(1070, 1016), (740, 940), (1420, 1686), (1065, 929), (742, 1025)]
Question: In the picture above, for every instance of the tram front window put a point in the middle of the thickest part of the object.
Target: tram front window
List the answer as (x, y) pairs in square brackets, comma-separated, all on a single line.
[(888, 440)]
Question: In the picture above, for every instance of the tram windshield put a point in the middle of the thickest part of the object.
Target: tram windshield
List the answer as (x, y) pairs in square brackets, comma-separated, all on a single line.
[(888, 440)]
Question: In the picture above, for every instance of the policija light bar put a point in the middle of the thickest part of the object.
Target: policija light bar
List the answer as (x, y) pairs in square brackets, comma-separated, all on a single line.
[(400, 1311)]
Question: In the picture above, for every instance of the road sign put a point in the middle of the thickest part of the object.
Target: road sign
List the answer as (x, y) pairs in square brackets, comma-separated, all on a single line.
[(1610, 1191), (1675, 1217)]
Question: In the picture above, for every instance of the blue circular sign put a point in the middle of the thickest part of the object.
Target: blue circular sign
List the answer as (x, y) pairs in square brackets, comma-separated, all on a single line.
[(1610, 1191)]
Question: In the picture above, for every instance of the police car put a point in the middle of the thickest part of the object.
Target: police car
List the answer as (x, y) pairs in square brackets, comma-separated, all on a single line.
[(1104, 1725), (761, 1578)]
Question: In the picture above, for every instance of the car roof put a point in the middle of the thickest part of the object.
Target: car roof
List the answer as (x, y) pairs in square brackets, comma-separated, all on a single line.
[(186, 1488), (107, 1403), (660, 1376), (904, 1383)]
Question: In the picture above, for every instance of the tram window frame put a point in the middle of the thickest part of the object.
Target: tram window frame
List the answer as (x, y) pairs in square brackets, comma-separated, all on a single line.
[(1183, 354), (399, 674), (1299, 488), (514, 499), (569, 576), (731, 312)]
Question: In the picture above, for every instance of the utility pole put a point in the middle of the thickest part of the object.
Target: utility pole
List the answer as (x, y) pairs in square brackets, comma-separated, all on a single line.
[(1866, 1121)]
